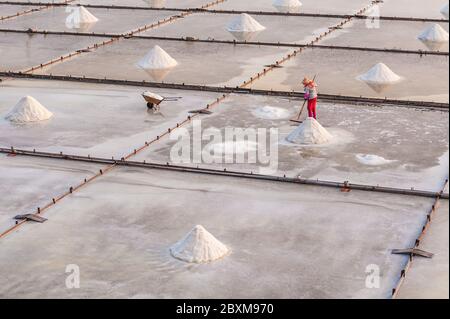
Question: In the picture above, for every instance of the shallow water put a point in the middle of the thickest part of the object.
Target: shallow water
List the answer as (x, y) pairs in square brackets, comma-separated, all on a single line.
[(110, 21)]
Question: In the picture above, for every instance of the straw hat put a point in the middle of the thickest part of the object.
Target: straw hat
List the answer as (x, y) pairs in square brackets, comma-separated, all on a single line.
[(306, 81)]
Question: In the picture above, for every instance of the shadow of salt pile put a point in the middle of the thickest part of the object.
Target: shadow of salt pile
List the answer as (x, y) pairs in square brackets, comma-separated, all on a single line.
[(287, 6), (157, 63)]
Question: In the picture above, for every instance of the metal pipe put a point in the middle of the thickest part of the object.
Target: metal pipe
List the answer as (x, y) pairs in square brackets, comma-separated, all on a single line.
[(251, 12), (367, 101), (273, 44), (425, 228), (227, 173)]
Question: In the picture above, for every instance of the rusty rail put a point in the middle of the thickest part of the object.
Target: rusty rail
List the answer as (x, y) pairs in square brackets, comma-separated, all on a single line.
[(41, 210), (28, 11), (106, 169), (116, 38), (21, 13), (231, 42), (225, 173), (251, 12), (295, 45), (425, 228), (367, 101), (313, 42)]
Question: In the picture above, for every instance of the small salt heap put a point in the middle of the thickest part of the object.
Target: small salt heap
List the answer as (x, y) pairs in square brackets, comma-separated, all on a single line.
[(379, 77), (372, 160), (290, 6), (80, 18), (244, 27), (444, 11), (310, 132), (434, 37), (28, 110), (157, 63), (199, 246)]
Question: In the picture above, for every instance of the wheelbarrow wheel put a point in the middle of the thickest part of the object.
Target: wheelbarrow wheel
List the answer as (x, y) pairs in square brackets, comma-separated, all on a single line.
[(150, 106)]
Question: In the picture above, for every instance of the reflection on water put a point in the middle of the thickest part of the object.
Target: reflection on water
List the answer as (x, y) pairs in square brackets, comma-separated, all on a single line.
[(379, 87), (158, 74), (433, 45), (156, 3), (81, 27), (285, 9), (245, 35)]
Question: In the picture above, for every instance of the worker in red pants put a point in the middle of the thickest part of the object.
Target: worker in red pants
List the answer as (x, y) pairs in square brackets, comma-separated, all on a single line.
[(311, 96)]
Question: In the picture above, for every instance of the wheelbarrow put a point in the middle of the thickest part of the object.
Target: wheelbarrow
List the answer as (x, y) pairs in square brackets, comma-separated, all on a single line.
[(153, 100)]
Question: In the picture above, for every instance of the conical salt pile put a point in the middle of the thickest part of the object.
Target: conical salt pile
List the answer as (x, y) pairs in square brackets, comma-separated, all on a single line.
[(157, 59), (28, 110), (380, 73), (444, 11), (199, 246), (287, 5), (80, 19), (79, 16), (244, 27), (434, 33), (310, 132), (85, 16), (245, 23)]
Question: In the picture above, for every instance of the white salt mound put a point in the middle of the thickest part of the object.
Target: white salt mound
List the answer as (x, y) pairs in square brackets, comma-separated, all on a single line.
[(372, 160), (28, 110), (287, 3), (199, 246), (244, 23), (434, 33), (444, 11), (157, 59), (85, 16), (380, 74), (271, 113), (310, 132), (80, 16)]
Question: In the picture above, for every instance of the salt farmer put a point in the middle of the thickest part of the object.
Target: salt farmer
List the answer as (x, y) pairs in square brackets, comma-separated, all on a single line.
[(311, 96)]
